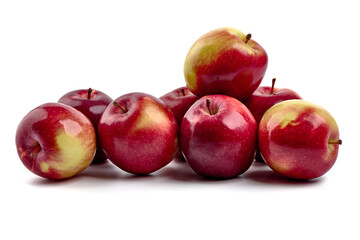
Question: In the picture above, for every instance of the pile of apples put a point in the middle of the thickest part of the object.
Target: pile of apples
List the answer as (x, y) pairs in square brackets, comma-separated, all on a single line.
[(218, 123)]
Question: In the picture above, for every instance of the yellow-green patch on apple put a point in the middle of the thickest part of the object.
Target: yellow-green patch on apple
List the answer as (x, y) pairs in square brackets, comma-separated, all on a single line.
[(151, 115)]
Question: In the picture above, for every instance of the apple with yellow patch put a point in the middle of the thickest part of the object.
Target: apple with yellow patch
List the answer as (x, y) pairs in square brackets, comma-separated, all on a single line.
[(225, 61), (92, 103), (299, 139), (138, 133), (56, 141)]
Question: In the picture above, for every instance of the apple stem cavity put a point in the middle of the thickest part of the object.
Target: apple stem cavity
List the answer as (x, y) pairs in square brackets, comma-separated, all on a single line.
[(336, 142), (248, 37), (208, 102), (119, 106), (89, 93), (35, 151), (183, 92), (272, 85)]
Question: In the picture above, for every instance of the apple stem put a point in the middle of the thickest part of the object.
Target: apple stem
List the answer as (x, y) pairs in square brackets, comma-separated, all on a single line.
[(336, 142), (119, 106), (272, 85), (183, 91), (89, 93), (36, 150), (248, 37), (208, 105)]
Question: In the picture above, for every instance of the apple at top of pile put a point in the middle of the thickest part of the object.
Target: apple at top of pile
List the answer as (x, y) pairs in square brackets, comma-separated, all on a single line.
[(225, 61)]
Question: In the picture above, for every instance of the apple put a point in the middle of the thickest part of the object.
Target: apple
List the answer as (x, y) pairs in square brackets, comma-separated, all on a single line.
[(225, 61), (55, 141), (92, 103), (138, 133), (298, 139), (218, 137), (179, 101), (265, 97)]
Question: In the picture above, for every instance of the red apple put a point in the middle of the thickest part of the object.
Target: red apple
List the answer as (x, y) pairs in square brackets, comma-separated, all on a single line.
[(138, 133), (299, 139), (225, 61), (56, 141), (264, 98), (218, 137), (92, 103), (179, 101)]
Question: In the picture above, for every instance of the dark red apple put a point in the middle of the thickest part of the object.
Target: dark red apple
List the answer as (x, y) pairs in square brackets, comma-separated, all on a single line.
[(56, 141), (138, 133), (179, 101), (225, 61), (92, 103), (264, 98), (218, 137), (299, 139)]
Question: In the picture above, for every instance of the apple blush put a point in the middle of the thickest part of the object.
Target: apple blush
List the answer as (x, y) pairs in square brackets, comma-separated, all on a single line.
[(218, 137), (55, 141), (138, 133), (299, 139), (92, 103), (225, 61)]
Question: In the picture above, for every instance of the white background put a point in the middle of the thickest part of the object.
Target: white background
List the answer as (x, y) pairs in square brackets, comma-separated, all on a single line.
[(48, 48)]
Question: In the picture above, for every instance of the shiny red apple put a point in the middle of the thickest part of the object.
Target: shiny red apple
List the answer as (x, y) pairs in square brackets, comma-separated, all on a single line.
[(264, 98), (179, 101), (218, 137), (92, 103), (225, 61), (56, 141), (138, 133), (299, 139)]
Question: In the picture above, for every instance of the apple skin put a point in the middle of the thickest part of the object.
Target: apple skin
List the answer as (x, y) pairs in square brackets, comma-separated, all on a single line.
[(298, 139), (224, 62), (262, 99), (92, 103), (142, 138), (179, 101), (55, 141), (220, 143)]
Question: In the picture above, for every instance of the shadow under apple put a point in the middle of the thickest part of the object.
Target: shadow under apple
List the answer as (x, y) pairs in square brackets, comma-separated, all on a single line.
[(261, 173), (176, 171)]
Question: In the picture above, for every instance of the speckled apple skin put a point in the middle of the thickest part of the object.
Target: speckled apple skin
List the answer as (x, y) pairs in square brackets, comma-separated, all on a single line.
[(221, 62), (141, 140), (222, 144), (93, 107), (66, 138), (294, 138)]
